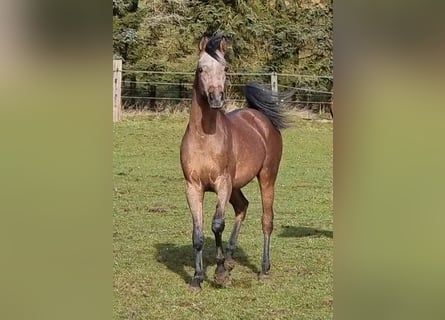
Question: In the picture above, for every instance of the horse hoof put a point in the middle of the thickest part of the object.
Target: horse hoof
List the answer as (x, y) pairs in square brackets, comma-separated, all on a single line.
[(222, 279), (263, 276), (195, 285)]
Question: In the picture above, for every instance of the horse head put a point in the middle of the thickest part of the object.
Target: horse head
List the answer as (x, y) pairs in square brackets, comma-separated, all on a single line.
[(211, 70)]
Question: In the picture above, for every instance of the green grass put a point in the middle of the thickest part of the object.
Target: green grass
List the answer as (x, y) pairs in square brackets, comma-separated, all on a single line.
[(153, 253)]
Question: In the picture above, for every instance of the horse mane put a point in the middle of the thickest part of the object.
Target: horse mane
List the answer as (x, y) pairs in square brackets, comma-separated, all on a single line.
[(212, 48), (270, 103)]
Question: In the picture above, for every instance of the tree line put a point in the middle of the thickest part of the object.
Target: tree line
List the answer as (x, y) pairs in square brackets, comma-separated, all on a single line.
[(285, 36)]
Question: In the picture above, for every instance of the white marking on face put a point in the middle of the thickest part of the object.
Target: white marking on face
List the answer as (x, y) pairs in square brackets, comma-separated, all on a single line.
[(212, 76)]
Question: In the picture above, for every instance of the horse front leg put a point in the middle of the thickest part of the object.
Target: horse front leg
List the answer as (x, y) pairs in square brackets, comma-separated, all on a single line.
[(223, 189), (195, 196)]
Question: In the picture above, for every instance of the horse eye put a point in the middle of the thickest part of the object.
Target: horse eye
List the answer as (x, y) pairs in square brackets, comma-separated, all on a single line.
[(226, 69), (200, 70)]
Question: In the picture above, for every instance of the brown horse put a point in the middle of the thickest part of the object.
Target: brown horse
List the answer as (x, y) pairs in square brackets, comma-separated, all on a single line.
[(222, 152)]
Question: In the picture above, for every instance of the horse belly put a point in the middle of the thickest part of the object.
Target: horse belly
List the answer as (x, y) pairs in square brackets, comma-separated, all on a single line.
[(248, 164)]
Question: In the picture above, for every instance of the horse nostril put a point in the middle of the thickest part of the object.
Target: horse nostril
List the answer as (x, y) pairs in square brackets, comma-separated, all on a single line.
[(211, 96)]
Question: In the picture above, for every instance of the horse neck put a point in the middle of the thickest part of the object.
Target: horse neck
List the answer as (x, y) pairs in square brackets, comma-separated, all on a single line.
[(203, 119)]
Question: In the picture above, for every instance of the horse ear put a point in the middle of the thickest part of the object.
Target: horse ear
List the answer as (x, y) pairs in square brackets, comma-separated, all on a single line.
[(203, 43), (223, 45)]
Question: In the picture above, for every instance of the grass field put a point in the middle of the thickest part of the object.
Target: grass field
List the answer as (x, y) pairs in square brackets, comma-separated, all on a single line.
[(153, 253)]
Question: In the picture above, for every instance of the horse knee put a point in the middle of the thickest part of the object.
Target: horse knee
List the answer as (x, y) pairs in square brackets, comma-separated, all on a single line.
[(218, 225), (198, 240)]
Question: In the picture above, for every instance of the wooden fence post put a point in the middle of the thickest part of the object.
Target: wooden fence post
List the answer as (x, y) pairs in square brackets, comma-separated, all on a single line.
[(274, 81), (117, 86)]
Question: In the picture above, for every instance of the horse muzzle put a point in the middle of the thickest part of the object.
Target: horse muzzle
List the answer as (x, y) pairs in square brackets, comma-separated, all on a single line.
[(216, 100)]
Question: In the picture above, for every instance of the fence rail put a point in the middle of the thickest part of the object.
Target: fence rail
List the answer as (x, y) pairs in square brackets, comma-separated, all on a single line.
[(151, 90), (117, 90)]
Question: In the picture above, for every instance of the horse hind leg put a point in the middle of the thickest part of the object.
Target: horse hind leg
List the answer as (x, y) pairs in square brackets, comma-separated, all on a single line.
[(240, 204), (266, 180)]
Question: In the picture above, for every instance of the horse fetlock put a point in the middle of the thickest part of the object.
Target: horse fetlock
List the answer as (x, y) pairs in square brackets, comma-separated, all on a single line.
[(198, 276), (222, 276), (265, 266)]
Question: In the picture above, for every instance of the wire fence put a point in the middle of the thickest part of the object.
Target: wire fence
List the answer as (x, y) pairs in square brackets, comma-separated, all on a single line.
[(155, 90)]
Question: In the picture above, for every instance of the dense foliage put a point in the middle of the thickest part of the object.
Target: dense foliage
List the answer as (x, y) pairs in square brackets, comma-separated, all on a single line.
[(285, 36), (278, 35)]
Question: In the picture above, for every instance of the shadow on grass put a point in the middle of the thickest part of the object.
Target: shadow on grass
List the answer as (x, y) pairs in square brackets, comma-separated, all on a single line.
[(300, 232), (177, 258)]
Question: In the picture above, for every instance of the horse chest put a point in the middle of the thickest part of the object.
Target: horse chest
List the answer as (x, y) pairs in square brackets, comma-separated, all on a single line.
[(210, 159), (207, 160)]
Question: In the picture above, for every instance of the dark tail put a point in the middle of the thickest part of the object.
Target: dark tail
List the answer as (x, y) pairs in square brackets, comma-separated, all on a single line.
[(268, 102)]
